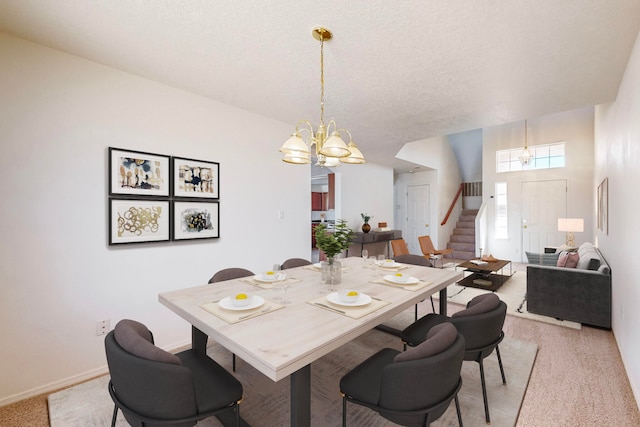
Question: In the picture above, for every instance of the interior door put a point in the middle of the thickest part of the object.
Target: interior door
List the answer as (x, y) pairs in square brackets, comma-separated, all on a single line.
[(543, 202), (418, 215)]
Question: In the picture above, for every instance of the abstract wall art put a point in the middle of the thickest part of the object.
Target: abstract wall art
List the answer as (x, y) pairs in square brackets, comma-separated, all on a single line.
[(138, 221), (138, 173), (196, 220)]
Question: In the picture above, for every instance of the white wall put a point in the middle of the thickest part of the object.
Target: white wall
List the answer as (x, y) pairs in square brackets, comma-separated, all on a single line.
[(444, 180), (58, 115), (617, 157), (367, 189), (575, 128)]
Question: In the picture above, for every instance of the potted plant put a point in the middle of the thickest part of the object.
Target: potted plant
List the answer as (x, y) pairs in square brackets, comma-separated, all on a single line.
[(365, 227), (333, 243)]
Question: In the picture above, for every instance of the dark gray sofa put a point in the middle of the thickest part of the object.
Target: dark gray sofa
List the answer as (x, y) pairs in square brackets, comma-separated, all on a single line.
[(581, 294)]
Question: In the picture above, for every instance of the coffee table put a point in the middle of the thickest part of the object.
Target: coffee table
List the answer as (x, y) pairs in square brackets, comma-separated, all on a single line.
[(487, 276)]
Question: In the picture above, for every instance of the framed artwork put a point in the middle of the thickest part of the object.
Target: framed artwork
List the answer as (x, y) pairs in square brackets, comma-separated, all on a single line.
[(137, 173), (603, 206), (196, 220), (138, 221), (196, 178)]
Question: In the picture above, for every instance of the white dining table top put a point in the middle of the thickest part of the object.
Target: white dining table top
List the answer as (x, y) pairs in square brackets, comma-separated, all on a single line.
[(280, 342)]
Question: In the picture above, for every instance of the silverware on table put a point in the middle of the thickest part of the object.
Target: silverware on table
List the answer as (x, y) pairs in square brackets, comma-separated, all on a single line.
[(330, 308), (247, 316)]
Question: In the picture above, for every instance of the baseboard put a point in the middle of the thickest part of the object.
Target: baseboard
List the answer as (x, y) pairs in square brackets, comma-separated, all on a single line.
[(79, 378), (56, 385)]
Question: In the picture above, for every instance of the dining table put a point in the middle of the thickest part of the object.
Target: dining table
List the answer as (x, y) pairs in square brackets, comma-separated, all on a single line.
[(297, 318)]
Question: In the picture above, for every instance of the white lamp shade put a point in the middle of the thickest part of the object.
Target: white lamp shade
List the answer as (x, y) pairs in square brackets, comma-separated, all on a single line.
[(571, 224), (295, 144), (334, 146), (297, 157), (355, 157)]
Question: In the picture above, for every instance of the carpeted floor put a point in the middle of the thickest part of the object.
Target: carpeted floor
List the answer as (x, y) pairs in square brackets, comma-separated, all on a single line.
[(267, 403)]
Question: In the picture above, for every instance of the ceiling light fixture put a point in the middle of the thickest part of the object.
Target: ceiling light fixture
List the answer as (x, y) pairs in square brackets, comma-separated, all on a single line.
[(526, 156), (330, 148)]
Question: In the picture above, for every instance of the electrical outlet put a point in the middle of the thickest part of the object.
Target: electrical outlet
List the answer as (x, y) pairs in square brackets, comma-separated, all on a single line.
[(102, 327)]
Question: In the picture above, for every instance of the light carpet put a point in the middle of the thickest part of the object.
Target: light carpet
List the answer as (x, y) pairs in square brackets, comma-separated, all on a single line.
[(266, 403)]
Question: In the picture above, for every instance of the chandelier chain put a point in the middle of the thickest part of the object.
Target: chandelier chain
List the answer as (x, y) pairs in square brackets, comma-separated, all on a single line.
[(321, 79)]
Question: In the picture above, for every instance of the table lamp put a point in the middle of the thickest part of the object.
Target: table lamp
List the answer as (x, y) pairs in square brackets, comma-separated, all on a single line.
[(570, 225)]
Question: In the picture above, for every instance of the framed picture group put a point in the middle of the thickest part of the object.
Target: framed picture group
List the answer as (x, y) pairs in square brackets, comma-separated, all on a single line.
[(156, 198)]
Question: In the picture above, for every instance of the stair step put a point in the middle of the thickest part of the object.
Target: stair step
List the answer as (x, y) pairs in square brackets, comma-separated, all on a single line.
[(463, 238), (465, 224), (464, 231), (467, 218), (464, 256), (473, 212), (463, 247)]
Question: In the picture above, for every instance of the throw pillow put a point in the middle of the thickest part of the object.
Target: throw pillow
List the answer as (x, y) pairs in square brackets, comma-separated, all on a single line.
[(568, 259), (478, 305), (136, 339), (439, 338), (542, 259)]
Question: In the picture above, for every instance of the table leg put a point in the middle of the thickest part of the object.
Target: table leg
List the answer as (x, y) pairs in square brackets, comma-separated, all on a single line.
[(198, 340), (301, 397), (443, 302)]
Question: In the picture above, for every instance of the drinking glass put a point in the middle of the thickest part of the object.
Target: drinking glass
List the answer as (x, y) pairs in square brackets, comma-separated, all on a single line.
[(365, 255), (276, 296)]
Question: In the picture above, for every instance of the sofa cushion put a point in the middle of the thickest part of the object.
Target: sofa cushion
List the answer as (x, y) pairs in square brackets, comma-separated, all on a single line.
[(439, 338), (604, 269), (568, 259), (542, 259)]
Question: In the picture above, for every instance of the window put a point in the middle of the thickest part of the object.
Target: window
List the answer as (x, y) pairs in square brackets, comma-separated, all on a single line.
[(544, 157), (502, 231)]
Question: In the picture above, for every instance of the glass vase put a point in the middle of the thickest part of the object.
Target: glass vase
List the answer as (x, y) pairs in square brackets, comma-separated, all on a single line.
[(331, 271)]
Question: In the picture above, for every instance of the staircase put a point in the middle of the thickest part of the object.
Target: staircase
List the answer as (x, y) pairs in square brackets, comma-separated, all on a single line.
[(463, 239)]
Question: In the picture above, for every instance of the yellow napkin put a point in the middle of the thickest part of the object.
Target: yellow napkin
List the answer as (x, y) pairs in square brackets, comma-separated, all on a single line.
[(233, 316), (353, 312)]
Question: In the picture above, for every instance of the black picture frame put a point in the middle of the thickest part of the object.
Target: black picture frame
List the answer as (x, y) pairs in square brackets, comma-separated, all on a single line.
[(192, 178), (139, 221), (195, 219), (138, 173)]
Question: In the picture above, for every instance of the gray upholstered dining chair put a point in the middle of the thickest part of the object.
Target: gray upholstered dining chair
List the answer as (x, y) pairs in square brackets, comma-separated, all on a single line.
[(411, 388), (220, 276), (154, 387), (294, 262), (416, 260), (481, 325)]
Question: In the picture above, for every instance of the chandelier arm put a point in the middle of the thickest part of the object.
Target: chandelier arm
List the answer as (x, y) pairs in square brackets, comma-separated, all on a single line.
[(348, 133)]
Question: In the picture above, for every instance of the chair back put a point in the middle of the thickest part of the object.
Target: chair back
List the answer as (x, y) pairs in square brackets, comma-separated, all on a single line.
[(145, 387), (426, 245), (294, 262), (229, 274), (413, 260), (399, 247), (423, 383), (482, 332)]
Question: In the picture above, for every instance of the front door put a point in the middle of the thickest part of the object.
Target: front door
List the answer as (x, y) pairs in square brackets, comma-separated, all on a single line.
[(418, 216), (543, 202)]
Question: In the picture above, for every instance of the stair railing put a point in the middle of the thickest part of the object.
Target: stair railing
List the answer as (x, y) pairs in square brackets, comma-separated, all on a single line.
[(453, 203)]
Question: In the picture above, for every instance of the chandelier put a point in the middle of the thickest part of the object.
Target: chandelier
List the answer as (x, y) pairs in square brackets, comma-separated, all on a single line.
[(526, 156), (330, 148)]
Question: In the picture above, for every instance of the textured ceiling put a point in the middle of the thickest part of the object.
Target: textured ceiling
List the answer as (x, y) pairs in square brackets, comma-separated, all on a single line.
[(396, 71)]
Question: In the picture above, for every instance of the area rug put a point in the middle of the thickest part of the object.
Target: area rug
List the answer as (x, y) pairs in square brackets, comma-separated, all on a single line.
[(267, 403)]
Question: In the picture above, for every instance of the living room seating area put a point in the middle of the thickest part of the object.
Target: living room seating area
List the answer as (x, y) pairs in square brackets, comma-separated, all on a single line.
[(581, 294)]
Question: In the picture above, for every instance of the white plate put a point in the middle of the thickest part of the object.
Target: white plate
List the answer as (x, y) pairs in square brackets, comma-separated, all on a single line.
[(227, 304), (394, 265), (363, 299), (391, 278), (269, 279)]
